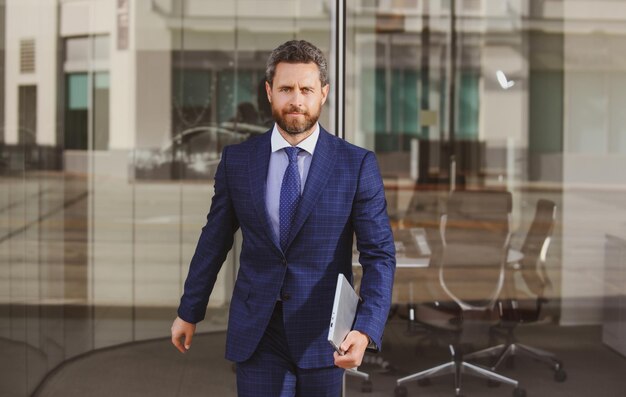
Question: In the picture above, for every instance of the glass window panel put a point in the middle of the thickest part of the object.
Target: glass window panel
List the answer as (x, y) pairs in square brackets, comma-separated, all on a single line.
[(226, 94), (469, 106), (101, 47), (552, 134), (102, 80), (101, 111), (76, 111), (368, 79), (193, 88), (77, 49), (100, 209), (27, 114), (78, 91)]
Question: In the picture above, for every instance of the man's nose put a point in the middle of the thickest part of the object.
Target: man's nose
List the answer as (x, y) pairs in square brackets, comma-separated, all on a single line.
[(296, 98)]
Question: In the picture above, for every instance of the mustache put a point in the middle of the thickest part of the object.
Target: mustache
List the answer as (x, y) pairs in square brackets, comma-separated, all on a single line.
[(294, 109)]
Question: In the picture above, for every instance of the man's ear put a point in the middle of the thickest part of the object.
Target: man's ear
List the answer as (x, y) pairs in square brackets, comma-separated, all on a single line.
[(325, 91), (268, 90)]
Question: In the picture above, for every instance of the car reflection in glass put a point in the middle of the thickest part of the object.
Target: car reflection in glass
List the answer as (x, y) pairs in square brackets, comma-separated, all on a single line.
[(193, 153)]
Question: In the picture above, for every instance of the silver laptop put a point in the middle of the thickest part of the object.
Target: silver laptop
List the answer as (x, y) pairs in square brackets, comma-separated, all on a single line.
[(344, 312)]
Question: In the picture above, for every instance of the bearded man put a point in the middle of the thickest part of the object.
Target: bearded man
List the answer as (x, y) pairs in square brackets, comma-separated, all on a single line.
[(299, 196)]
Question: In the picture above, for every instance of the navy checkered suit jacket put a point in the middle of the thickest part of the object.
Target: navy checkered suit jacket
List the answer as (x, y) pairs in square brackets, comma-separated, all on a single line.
[(343, 197)]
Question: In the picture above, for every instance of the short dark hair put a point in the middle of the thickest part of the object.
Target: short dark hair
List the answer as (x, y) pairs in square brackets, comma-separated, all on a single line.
[(297, 51)]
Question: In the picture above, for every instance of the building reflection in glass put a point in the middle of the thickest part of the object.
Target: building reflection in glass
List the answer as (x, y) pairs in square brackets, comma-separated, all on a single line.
[(114, 114)]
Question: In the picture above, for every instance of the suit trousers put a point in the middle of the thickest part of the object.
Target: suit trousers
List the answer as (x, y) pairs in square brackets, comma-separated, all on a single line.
[(271, 371)]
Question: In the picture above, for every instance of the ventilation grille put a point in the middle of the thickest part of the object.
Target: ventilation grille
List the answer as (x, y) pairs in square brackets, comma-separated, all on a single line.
[(27, 55)]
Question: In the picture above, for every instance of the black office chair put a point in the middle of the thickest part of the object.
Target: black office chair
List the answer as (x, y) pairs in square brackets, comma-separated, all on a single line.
[(523, 305), (466, 282)]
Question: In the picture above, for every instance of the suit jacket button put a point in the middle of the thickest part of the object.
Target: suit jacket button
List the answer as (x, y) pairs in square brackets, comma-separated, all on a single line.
[(284, 261), (285, 297)]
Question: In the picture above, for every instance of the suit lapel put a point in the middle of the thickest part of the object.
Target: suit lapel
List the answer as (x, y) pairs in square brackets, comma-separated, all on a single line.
[(321, 168), (258, 164)]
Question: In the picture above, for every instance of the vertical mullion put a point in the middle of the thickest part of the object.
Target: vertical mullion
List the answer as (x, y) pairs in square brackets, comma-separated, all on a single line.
[(340, 67)]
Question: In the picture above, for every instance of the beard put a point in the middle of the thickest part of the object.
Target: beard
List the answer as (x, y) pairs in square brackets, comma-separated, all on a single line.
[(297, 125)]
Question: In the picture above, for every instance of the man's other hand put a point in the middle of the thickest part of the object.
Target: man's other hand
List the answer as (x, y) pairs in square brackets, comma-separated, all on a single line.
[(182, 329), (354, 348)]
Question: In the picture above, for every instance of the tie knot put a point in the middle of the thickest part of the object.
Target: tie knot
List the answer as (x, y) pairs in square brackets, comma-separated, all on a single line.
[(292, 153)]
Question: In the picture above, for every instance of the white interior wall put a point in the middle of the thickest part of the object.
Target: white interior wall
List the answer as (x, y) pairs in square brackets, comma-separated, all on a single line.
[(593, 180)]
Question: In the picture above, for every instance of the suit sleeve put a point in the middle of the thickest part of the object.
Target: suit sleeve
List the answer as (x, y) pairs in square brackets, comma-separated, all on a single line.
[(214, 243), (376, 250)]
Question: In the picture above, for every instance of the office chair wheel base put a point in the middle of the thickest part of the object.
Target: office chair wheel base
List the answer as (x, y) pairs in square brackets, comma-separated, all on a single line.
[(367, 386), (519, 392), (493, 383), (424, 382), (560, 375), (400, 391)]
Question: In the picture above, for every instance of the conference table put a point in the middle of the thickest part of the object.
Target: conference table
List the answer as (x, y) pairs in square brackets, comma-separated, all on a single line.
[(413, 258), (404, 262)]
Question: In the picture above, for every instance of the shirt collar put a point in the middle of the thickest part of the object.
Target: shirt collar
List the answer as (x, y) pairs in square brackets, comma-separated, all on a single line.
[(278, 142)]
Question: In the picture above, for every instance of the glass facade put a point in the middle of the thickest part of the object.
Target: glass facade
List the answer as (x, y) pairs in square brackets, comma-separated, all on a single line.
[(114, 115)]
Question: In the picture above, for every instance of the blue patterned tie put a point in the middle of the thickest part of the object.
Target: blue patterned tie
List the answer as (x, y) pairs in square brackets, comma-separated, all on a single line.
[(289, 195)]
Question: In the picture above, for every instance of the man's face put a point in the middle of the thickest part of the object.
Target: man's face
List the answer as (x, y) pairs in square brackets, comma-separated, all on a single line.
[(296, 96)]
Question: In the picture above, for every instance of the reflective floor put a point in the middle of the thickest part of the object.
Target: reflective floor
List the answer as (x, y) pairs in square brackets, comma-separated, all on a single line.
[(154, 368), (93, 269)]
